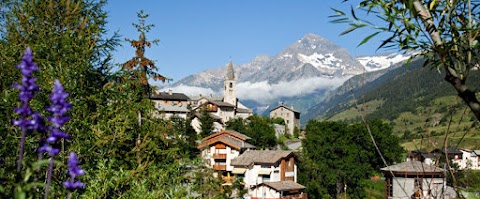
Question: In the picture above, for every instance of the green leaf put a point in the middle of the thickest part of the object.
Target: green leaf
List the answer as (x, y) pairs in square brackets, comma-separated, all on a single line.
[(353, 13), (368, 38)]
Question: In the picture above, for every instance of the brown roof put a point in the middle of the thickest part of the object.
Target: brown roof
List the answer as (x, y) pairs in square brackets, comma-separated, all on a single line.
[(260, 157), (283, 185), (168, 96), (286, 107), (242, 110), (228, 140), (413, 167), (199, 115), (228, 133), (221, 104)]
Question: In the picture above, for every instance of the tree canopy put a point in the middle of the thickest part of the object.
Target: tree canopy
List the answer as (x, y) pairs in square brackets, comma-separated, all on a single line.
[(337, 154)]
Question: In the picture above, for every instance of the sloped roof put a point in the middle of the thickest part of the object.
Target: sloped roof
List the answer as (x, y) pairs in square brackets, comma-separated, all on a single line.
[(172, 97), (230, 141), (233, 133), (413, 167), (221, 103), (242, 110), (260, 157), (215, 117), (283, 185), (449, 151), (207, 97), (286, 107)]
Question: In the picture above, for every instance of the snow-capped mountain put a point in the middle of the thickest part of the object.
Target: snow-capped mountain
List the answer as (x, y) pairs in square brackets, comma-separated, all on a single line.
[(310, 57), (379, 62), (308, 68)]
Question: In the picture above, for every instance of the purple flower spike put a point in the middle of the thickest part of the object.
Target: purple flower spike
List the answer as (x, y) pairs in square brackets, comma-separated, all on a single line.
[(74, 170), (59, 108), (29, 120)]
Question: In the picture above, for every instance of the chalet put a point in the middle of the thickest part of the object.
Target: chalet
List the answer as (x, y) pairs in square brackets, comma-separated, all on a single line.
[(270, 167), (220, 148), (290, 115), (170, 98), (414, 179), (279, 190), (169, 104)]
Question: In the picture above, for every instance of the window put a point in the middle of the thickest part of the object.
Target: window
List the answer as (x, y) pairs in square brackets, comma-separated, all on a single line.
[(231, 85), (288, 121), (266, 178), (287, 114)]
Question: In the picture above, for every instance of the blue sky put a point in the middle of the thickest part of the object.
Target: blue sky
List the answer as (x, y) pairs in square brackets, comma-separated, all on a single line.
[(199, 34)]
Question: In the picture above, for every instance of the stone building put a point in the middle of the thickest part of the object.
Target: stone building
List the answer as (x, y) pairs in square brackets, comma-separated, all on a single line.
[(289, 114)]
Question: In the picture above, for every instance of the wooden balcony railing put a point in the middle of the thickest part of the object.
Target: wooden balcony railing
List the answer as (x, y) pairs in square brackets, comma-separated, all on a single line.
[(220, 167), (219, 156)]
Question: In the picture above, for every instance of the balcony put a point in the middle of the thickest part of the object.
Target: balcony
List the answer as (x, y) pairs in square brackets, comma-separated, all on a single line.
[(220, 167), (219, 156)]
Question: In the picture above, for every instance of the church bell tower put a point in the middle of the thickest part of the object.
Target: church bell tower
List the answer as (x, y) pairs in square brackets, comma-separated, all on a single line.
[(230, 87)]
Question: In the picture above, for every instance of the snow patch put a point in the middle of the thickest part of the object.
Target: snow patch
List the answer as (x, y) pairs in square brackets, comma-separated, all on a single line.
[(374, 63), (320, 61)]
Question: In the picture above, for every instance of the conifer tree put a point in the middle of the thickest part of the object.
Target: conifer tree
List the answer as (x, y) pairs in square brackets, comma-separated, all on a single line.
[(141, 68)]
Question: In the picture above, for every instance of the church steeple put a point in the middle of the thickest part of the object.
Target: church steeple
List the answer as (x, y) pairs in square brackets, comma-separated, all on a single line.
[(230, 87), (230, 72)]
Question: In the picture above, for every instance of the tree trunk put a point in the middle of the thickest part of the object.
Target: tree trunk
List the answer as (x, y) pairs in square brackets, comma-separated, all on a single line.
[(467, 95)]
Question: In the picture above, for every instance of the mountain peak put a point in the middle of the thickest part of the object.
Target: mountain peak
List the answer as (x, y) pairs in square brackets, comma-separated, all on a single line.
[(311, 36)]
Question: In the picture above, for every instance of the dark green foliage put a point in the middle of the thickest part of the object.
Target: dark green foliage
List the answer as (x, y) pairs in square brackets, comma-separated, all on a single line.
[(335, 154), (261, 131), (259, 128), (278, 120), (237, 124), (206, 123), (124, 155)]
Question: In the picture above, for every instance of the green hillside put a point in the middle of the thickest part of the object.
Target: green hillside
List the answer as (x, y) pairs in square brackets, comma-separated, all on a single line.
[(420, 105)]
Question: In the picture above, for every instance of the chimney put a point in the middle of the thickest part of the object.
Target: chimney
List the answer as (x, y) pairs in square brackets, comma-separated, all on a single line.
[(170, 92)]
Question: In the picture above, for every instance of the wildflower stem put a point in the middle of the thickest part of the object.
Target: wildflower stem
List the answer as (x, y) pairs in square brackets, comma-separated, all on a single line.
[(49, 178), (22, 148)]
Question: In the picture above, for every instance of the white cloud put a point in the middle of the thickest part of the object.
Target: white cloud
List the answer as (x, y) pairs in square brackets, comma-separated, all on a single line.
[(264, 92), (191, 90)]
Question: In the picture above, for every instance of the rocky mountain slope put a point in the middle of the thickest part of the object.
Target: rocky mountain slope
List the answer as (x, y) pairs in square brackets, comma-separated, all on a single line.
[(300, 75)]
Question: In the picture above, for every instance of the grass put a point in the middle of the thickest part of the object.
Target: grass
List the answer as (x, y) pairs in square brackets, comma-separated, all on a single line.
[(375, 189), (355, 112)]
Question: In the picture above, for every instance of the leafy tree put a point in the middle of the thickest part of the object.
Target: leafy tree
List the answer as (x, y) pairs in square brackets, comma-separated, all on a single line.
[(237, 124), (278, 120), (445, 33), (336, 154), (261, 130), (206, 122)]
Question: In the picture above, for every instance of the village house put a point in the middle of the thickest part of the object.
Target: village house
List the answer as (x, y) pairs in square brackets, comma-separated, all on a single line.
[(169, 104), (220, 148), (289, 115), (268, 174), (227, 107), (415, 179), (461, 158)]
